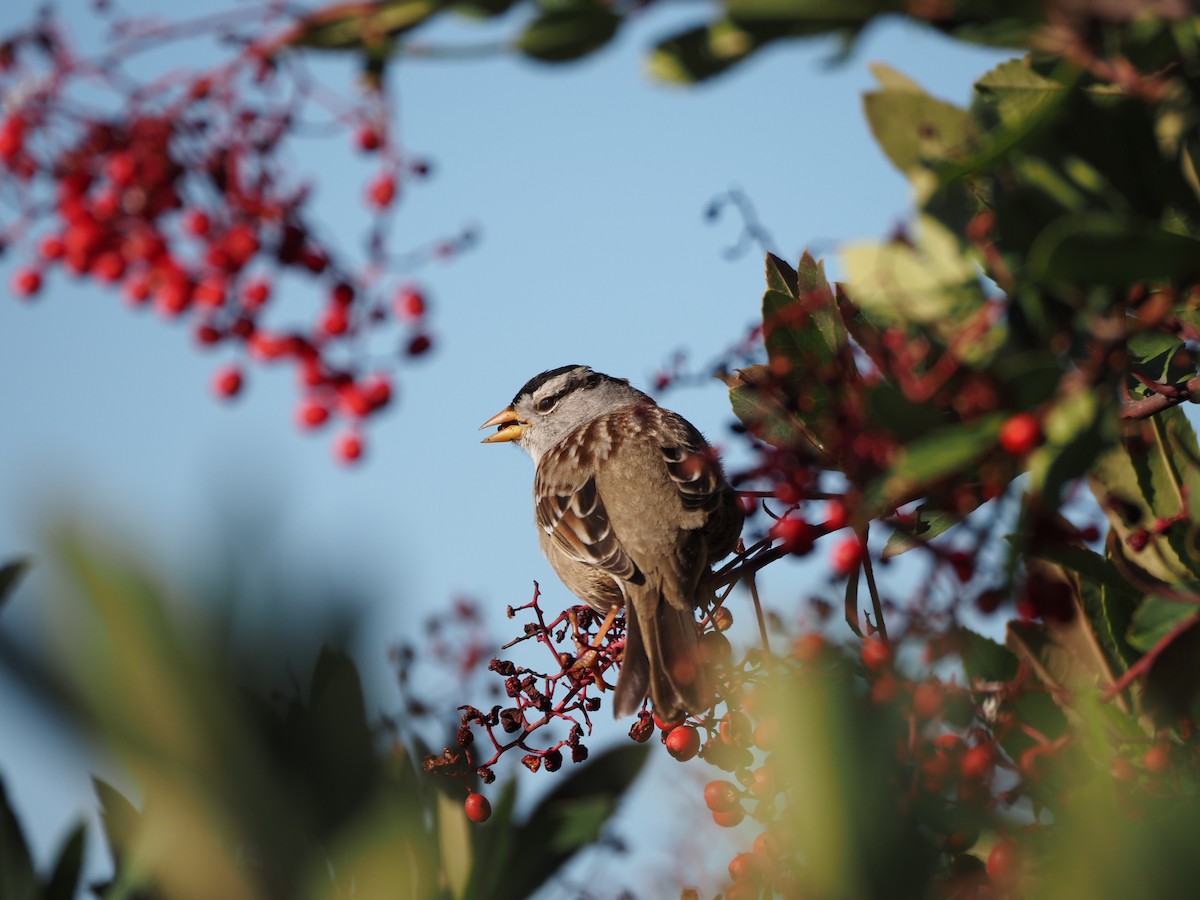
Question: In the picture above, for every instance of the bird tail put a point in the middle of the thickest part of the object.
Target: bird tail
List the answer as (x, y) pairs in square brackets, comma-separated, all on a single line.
[(661, 659)]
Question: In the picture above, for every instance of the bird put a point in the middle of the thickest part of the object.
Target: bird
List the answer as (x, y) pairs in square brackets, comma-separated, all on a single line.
[(632, 509)]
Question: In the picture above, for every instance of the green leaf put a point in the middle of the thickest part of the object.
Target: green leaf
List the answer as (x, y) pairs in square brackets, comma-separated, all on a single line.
[(64, 880), (360, 26), (1016, 93), (454, 844), (760, 403), (568, 820), (914, 129), (17, 878), (984, 660), (1154, 619), (11, 574), (569, 32), (1077, 430), (888, 408), (1100, 248), (932, 283), (781, 277), (940, 456), (1136, 484), (812, 287), (1108, 598), (703, 52), (927, 524), (118, 818)]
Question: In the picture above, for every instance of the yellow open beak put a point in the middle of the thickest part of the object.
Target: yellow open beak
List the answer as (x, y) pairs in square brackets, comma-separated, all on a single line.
[(507, 417)]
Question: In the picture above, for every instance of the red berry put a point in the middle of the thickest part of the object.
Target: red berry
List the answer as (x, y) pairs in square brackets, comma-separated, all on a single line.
[(409, 303), (348, 447), (227, 382), (1004, 862), (378, 391), (478, 808), (1020, 434), (745, 867), (26, 282), (311, 414), (977, 763), (210, 292), (795, 535), (197, 223), (836, 515), (875, 654), (369, 139), (255, 294), (207, 335), (1122, 770), (846, 556), (665, 725), (1157, 759), (728, 818), (121, 169), (52, 247), (927, 699), (382, 191), (335, 321), (721, 795), (736, 730), (683, 742)]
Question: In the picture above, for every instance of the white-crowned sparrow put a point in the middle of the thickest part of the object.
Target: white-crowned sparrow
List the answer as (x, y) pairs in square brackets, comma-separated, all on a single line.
[(632, 508)]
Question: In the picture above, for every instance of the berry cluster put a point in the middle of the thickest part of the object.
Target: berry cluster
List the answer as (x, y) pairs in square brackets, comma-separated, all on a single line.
[(179, 193), (558, 701)]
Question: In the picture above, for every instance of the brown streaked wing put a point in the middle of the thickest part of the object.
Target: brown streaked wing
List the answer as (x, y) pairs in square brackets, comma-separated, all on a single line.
[(575, 517)]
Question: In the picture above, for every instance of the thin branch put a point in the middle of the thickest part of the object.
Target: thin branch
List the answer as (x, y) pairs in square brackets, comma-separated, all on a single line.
[(762, 622), (1142, 666), (1157, 402), (869, 570)]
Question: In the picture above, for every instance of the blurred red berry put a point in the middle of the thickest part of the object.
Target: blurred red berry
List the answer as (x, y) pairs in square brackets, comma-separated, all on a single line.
[(311, 414), (255, 294), (794, 534), (348, 447), (227, 382), (876, 654), (369, 139), (846, 556), (26, 282), (977, 762), (1004, 862), (836, 515), (1157, 759), (1020, 434), (382, 191), (197, 223), (409, 303)]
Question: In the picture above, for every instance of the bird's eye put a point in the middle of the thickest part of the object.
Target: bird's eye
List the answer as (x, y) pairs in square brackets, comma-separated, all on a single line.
[(546, 404), (593, 380)]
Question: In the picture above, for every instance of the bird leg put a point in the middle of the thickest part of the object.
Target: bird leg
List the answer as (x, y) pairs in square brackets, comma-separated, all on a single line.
[(605, 626)]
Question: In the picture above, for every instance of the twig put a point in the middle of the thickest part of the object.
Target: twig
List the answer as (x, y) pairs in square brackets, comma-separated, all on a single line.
[(869, 570), (1157, 402), (1142, 666), (762, 622)]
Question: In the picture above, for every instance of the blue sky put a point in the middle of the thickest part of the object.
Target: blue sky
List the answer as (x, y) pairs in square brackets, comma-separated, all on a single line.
[(588, 184)]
